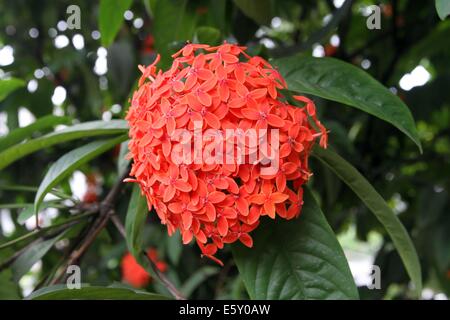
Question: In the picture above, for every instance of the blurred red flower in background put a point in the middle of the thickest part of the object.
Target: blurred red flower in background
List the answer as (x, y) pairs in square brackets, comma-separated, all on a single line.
[(134, 274)]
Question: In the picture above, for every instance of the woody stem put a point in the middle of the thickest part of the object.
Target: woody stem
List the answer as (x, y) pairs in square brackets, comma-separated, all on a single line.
[(161, 277), (105, 209)]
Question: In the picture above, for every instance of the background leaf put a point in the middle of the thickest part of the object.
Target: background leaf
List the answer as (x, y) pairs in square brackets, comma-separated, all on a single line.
[(342, 82), (179, 28), (197, 279), (174, 247), (69, 162), (8, 288), (379, 207), (207, 35), (134, 223), (60, 292), (20, 134), (32, 255), (111, 18), (260, 11), (296, 259), (9, 85), (82, 130)]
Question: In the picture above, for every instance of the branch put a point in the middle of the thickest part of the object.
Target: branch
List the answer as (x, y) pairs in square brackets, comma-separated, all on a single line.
[(161, 276), (105, 212)]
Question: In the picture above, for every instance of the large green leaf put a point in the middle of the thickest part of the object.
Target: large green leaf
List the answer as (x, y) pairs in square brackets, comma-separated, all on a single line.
[(61, 292), (111, 18), (296, 259), (9, 85), (82, 130), (134, 223), (373, 200), (20, 134), (71, 161), (260, 11), (443, 8), (134, 226), (32, 255), (173, 21), (339, 81)]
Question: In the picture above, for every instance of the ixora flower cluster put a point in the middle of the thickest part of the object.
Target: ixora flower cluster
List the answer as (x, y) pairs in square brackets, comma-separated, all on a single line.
[(219, 89)]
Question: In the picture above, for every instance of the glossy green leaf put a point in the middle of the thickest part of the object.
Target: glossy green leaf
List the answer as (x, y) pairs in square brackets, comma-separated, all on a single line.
[(295, 259), (111, 18), (373, 200), (32, 255), (339, 81), (71, 161), (443, 8), (134, 223), (82, 130), (260, 11), (61, 292), (20, 134), (9, 85)]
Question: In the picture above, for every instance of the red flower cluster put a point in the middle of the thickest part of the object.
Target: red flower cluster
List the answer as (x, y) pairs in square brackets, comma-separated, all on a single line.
[(134, 274), (221, 88)]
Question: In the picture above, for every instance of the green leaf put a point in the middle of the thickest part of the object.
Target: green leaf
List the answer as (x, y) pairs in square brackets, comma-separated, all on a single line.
[(32, 255), (9, 85), (339, 81), (122, 163), (173, 21), (61, 292), (82, 130), (111, 18), (197, 279), (207, 35), (260, 11), (20, 134), (373, 200), (295, 259), (134, 226), (71, 161), (443, 8), (28, 210), (135, 221), (9, 290), (174, 247)]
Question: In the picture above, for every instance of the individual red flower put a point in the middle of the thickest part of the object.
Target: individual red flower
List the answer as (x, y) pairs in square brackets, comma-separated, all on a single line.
[(210, 91), (134, 274)]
